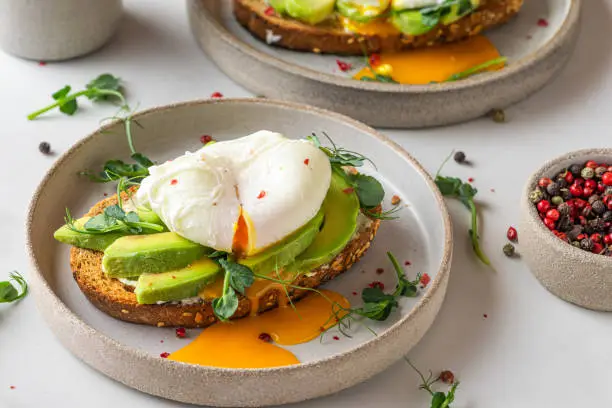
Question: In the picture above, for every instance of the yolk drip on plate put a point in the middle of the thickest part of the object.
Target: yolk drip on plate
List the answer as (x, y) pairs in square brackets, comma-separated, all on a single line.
[(435, 64), (238, 344)]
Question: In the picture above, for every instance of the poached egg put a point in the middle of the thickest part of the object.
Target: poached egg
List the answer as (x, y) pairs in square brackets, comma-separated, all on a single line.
[(239, 196)]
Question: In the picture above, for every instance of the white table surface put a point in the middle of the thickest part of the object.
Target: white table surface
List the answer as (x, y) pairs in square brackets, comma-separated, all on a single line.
[(532, 350)]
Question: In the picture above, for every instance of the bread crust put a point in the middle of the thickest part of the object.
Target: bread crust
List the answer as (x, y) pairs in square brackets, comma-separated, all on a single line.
[(331, 38), (118, 300)]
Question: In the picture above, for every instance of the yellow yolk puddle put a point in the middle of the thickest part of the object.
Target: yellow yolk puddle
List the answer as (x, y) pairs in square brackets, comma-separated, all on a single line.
[(436, 64), (237, 344)]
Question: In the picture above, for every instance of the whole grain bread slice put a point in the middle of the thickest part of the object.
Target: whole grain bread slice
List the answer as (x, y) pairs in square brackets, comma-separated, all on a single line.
[(118, 300), (330, 37)]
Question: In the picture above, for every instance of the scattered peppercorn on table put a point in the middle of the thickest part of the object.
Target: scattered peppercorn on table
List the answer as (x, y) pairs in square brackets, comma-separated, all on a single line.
[(500, 333)]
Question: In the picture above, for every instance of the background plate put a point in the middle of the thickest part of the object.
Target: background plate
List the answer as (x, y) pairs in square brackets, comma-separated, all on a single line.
[(130, 353), (536, 54)]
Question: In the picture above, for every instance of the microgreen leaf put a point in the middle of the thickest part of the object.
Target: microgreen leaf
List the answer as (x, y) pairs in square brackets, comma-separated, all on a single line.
[(104, 87), (477, 69), (453, 187), (379, 311), (225, 306), (218, 254), (438, 399), (375, 294), (241, 277), (116, 212), (368, 189), (8, 291)]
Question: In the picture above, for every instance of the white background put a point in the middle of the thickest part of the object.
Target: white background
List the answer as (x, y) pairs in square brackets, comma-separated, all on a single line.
[(532, 350)]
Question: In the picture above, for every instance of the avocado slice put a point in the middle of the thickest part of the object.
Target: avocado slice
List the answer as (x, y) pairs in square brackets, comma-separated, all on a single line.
[(137, 254), (310, 11), (361, 13), (283, 253), (178, 284), (99, 242), (459, 10), (413, 22), (340, 208), (279, 5)]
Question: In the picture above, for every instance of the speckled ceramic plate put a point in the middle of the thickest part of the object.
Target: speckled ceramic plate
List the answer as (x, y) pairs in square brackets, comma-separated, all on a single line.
[(130, 353), (536, 54)]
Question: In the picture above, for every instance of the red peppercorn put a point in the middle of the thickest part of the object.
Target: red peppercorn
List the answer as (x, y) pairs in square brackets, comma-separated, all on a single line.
[(597, 248), (607, 178), (306, 161), (580, 203), (407, 263), (216, 95), (582, 219), (608, 239), (512, 234), (380, 271), (542, 22), (543, 206), (425, 279), (576, 190), (595, 237), (165, 354), (344, 66), (261, 195), (181, 333), (348, 190), (601, 187), (587, 192), (569, 177), (549, 223), (579, 181), (375, 60), (544, 182), (580, 237), (553, 214), (336, 338), (592, 164), (377, 284), (265, 337), (270, 11), (590, 183), (205, 139), (173, 182), (447, 377)]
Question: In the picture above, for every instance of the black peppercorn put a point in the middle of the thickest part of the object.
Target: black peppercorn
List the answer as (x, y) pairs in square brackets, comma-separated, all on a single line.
[(599, 171), (565, 193), (44, 147), (509, 250), (575, 169), (607, 216), (587, 211), (599, 207), (587, 173), (608, 191), (553, 189), (586, 244), (562, 182), (574, 232), (564, 209), (597, 225), (564, 224), (459, 157), (594, 198)]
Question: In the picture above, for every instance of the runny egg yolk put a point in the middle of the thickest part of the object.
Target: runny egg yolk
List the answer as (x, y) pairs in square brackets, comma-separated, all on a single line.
[(435, 64), (374, 27), (241, 343), (241, 242)]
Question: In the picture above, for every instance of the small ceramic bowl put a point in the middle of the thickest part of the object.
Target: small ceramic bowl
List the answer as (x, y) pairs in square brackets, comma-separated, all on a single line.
[(53, 30), (574, 275)]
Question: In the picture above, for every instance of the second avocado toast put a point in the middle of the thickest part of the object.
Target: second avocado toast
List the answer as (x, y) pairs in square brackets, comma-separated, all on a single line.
[(149, 275)]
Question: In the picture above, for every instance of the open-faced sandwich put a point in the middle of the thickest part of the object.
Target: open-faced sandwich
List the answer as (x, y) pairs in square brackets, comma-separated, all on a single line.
[(235, 228), (355, 27)]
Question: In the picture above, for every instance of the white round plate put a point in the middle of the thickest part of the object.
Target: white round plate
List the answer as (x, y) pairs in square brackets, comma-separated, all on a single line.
[(536, 54), (131, 354)]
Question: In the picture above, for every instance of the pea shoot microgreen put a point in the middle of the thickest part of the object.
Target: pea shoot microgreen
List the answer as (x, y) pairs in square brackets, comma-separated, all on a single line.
[(477, 69), (105, 87), (9, 293), (113, 219), (454, 187), (439, 399), (237, 279), (369, 190)]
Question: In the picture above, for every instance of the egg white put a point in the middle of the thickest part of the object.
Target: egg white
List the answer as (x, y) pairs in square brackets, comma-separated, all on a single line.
[(279, 184)]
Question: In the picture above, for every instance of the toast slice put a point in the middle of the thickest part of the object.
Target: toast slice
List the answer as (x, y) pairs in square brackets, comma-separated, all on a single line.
[(118, 300), (331, 37)]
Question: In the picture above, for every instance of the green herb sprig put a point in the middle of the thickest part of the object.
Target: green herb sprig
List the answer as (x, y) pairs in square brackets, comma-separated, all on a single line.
[(477, 69), (237, 278), (439, 399), (9, 293), (369, 190), (105, 87), (113, 219), (431, 16), (454, 187)]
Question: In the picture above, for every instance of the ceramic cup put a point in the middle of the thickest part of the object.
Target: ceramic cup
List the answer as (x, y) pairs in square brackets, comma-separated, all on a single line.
[(574, 275), (52, 30)]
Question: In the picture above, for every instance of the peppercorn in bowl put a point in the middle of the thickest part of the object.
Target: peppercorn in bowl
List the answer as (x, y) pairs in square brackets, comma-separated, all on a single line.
[(566, 227)]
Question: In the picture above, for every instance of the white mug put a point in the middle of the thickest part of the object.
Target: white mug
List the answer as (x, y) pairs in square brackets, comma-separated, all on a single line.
[(52, 30)]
